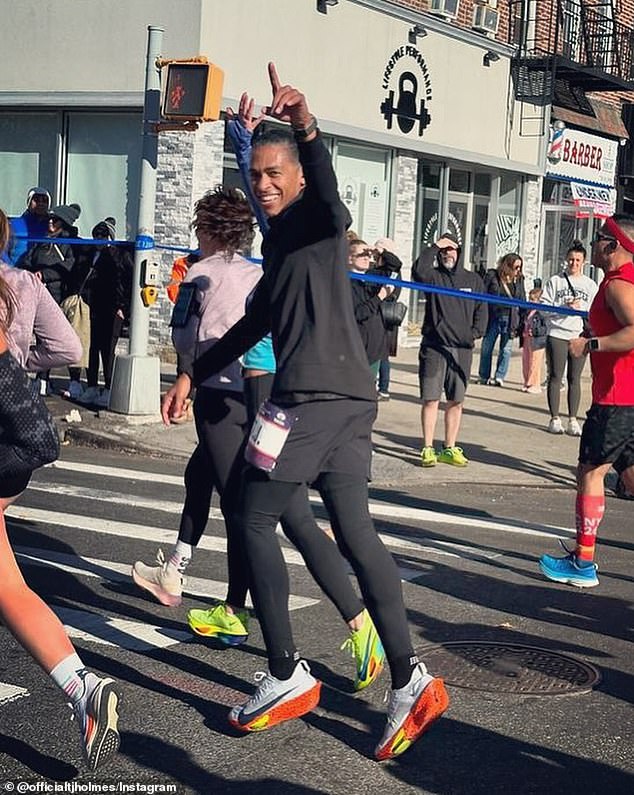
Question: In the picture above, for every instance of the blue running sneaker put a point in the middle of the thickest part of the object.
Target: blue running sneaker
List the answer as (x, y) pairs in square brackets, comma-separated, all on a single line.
[(568, 570)]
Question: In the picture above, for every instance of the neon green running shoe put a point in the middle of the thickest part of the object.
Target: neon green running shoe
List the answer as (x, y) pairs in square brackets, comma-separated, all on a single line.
[(365, 646), (428, 457), (453, 456), (218, 623)]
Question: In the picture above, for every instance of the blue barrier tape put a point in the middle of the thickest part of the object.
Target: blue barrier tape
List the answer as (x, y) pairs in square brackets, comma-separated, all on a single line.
[(364, 277), (143, 243), (470, 296), (75, 241)]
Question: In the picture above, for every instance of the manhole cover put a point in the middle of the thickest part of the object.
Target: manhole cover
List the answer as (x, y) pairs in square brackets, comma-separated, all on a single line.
[(509, 668)]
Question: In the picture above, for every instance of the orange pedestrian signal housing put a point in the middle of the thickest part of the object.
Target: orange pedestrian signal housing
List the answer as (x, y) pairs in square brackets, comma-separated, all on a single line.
[(192, 90)]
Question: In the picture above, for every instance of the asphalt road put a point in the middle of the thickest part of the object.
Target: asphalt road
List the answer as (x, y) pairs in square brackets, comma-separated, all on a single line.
[(467, 556)]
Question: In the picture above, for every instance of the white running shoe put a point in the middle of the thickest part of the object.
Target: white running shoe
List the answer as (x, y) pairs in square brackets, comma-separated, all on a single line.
[(573, 429), (163, 581), (98, 717), (411, 711), (277, 700), (555, 426)]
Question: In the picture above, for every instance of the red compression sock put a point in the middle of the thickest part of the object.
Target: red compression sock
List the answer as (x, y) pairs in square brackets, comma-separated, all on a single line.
[(589, 512)]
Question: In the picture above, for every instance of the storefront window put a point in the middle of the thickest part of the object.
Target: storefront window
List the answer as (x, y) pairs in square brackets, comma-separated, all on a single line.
[(104, 156), (482, 184), (507, 232), (28, 157), (459, 181), (363, 176), (480, 237), (427, 231)]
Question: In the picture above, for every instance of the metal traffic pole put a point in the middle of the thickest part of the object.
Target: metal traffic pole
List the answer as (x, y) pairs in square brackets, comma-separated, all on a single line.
[(136, 379)]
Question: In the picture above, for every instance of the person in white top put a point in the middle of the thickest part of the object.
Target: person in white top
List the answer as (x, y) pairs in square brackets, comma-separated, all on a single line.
[(573, 289)]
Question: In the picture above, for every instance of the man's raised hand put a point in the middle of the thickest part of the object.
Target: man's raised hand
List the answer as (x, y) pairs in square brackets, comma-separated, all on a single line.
[(245, 114), (288, 104)]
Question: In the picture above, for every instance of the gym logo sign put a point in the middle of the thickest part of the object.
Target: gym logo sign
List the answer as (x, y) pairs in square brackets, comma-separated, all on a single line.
[(407, 81)]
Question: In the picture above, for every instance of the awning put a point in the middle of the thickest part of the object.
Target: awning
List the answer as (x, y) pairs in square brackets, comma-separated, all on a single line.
[(607, 118)]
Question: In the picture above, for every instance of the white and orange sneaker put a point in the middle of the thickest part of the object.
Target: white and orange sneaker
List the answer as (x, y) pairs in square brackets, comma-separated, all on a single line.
[(277, 700), (411, 711), (98, 716)]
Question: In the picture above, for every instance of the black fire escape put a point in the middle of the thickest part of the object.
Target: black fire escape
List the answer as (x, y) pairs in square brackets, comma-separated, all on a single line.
[(566, 49)]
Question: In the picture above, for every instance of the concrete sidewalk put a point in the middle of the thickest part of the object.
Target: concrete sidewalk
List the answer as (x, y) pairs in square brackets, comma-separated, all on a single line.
[(503, 433)]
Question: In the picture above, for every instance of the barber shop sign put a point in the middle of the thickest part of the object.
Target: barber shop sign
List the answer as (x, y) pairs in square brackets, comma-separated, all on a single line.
[(407, 81)]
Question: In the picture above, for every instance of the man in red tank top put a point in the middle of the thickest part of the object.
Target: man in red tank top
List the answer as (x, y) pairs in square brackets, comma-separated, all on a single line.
[(608, 432)]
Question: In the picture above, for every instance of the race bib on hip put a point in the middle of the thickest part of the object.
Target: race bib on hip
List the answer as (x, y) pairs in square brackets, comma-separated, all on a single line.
[(268, 436)]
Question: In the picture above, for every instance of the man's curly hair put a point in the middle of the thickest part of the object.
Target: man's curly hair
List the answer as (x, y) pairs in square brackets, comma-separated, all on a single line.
[(225, 215)]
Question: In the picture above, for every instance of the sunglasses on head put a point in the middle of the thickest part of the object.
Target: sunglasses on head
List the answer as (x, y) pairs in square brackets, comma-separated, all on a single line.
[(599, 236)]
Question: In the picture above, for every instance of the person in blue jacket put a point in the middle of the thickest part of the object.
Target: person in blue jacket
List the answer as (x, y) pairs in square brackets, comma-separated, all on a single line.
[(33, 223)]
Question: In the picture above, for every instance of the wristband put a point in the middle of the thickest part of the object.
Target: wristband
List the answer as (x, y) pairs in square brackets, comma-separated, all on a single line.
[(593, 344), (302, 133)]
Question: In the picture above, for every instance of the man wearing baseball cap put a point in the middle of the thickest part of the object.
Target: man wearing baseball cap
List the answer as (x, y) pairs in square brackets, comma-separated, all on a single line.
[(450, 328)]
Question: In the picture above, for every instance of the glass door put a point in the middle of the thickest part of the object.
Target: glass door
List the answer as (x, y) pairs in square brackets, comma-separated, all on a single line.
[(561, 224)]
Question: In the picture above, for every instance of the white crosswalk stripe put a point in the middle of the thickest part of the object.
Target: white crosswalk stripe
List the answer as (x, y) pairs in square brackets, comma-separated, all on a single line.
[(11, 693), (120, 486)]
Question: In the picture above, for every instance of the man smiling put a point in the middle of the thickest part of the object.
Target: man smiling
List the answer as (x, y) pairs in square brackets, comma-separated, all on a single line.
[(324, 400)]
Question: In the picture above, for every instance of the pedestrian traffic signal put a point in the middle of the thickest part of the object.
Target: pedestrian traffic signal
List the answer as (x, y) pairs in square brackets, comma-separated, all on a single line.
[(192, 91)]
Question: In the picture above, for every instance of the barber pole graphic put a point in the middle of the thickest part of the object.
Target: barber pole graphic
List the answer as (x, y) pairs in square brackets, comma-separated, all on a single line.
[(556, 142)]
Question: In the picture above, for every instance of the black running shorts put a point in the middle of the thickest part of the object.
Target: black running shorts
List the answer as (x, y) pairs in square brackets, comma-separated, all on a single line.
[(445, 369), (328, 436), (608, 436)]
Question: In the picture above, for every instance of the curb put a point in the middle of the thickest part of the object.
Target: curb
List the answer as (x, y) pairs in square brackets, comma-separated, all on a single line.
[(103, 440)]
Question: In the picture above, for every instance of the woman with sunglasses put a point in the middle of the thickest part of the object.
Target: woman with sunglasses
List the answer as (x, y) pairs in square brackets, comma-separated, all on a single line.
[(570, 288)]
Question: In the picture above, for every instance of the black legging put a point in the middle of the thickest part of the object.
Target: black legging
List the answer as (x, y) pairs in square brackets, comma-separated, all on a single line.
[(105, 330), (322, 557), (560, 361), (221, 422), (217, 462), (262, 502)]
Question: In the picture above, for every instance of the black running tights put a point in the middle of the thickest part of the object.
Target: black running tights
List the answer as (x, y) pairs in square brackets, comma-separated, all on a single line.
[(263, 501)]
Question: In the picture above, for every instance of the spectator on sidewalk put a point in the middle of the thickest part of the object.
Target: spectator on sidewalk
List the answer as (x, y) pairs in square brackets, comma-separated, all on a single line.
[(505, 322), (32, 224), (110, 293), (608, 432), (573, 289), (53, 262), (387, 264), (367, 298), (450, 328), (533, 344)]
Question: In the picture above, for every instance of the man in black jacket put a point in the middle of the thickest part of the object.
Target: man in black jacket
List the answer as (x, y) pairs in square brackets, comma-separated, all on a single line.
[(450, 328), (324, 391)]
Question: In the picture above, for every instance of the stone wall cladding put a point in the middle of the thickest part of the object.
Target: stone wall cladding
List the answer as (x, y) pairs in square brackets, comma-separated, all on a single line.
[(531, 227), (405, 222), (189, 163)]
